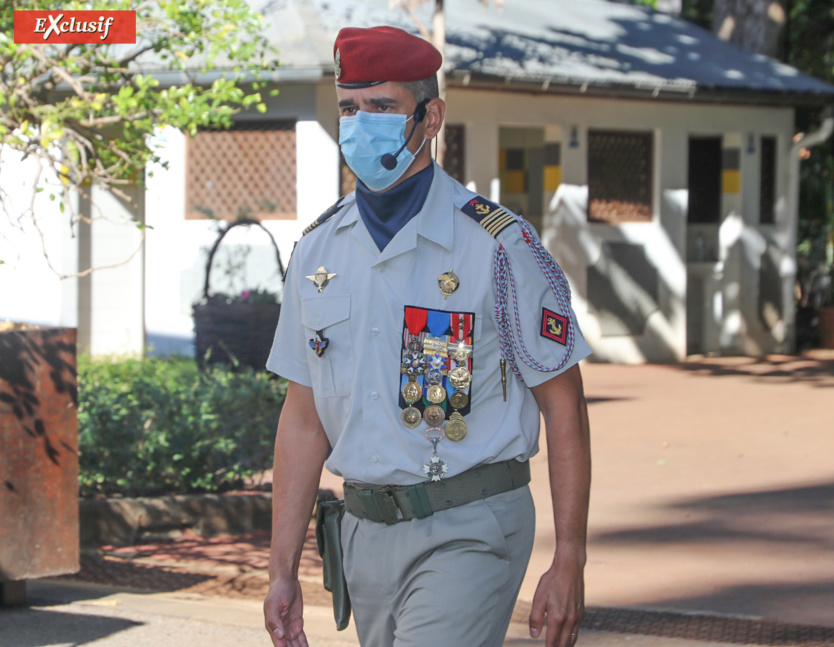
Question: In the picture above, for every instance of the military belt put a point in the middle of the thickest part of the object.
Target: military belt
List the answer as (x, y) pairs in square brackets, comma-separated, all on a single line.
[(392, 504)]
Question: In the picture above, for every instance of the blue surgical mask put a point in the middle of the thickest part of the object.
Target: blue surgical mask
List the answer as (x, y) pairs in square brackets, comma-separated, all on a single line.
[(365, 137)]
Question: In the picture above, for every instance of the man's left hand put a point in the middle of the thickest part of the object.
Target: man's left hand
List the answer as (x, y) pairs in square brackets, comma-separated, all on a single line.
[(560, 598)]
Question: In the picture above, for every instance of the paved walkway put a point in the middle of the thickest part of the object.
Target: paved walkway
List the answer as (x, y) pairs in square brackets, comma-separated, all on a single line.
[(712, 522)]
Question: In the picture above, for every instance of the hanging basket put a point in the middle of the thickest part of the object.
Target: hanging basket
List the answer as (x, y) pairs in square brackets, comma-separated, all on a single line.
[(237, 334)]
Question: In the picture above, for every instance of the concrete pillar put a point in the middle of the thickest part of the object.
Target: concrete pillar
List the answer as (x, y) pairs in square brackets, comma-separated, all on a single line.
[(482, 156), (111, 299), (317, 170)]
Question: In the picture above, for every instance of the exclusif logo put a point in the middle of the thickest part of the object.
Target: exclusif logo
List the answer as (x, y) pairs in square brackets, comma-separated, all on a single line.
[(73, 27)]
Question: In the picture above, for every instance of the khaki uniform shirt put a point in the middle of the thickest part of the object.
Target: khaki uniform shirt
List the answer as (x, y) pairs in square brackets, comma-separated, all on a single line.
[(357, 380)]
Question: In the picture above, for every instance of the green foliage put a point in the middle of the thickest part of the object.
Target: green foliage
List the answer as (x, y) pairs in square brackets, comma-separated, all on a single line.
[(811, 38), (87, 111), (160, 425)]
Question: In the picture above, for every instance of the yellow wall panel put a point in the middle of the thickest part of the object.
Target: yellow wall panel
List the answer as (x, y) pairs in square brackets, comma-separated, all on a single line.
[(552, 177), (731, 181), (514, 182)]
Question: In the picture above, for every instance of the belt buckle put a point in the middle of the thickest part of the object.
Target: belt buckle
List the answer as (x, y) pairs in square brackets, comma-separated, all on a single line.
[(386, 504)]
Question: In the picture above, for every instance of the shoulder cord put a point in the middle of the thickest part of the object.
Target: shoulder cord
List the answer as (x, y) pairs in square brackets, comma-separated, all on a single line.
[(512, 344)]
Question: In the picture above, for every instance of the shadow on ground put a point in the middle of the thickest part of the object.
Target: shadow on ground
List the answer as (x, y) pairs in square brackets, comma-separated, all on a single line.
[(692, 626), (798, 515), (102, 569), (769, 600), (772, 369), (40, 628)]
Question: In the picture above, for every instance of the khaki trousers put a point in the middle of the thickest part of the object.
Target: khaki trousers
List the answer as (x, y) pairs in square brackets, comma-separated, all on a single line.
[(448, 580)]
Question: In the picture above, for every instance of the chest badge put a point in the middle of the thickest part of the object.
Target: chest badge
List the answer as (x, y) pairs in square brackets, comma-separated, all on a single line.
[(448, 282), (321, 278), (319, 343)]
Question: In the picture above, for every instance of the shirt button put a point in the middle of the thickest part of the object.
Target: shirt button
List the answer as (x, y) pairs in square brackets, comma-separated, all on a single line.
[(374, 459), (374, 331), (374, 395)]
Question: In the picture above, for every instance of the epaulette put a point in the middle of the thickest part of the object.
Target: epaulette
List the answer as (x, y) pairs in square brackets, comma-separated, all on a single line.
[(327, 215), (492, 217)]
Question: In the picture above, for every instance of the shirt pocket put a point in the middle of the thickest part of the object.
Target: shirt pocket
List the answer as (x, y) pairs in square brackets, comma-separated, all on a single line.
[(332, 372)]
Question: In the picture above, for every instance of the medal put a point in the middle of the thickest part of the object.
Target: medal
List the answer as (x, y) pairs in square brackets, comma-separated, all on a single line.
[(448, 282), (460, 377), (413, 363), (460, 351), (436, 468), (319, 343), (415, 321), (412, 392), (436, 394), (321, 278), (434, 415), (411, 417), (461, 325), (434, 376), (458, 400), (456, 427)]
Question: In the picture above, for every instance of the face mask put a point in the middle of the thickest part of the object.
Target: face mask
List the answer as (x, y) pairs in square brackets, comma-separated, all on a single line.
[(366, 137)]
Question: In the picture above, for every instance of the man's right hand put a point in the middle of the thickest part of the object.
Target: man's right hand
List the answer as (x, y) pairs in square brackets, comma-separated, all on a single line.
[(282, 612)]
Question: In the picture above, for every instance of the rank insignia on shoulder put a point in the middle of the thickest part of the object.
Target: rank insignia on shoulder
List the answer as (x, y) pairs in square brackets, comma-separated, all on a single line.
[(327, 215), (554, 327), (492, 217)]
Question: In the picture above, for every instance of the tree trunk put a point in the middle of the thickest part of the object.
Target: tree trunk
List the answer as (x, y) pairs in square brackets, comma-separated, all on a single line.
[(438, 36), (755, 25)]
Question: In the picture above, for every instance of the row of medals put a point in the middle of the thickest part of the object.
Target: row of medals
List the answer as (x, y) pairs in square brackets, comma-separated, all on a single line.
[(429, 360)]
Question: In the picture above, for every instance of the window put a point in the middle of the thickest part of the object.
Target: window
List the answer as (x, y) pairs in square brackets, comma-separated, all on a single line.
[(767, 182), (620, 176), (704, 180), (247, 171)]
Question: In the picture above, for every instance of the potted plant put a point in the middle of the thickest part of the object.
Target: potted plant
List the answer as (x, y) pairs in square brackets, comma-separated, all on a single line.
[(236, 329)]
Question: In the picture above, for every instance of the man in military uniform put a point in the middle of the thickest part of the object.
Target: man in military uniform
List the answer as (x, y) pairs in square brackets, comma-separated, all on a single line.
[(423, 331)]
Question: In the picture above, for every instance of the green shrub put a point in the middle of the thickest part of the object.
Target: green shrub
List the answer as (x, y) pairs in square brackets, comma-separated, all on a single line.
[(160, 425)]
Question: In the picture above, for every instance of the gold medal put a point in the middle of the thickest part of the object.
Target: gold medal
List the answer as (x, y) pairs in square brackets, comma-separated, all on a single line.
[(436, 394), (448, 282), (460, 351), (456, 427), (458, 399), (411, 417), (460, 377), (412, 392), (434, 415)]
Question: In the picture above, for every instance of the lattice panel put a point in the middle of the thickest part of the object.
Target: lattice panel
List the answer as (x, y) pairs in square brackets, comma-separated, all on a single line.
[(347, 178), (248, 171), (619, 176), (455, 159)]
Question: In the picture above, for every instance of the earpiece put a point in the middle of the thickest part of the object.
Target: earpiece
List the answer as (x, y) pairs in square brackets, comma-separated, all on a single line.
[(389, 160)]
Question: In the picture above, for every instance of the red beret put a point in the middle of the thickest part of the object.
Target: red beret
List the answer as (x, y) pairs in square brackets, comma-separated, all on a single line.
[(366, 57)]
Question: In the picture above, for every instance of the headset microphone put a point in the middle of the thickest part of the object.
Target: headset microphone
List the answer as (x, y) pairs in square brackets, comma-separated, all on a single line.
[(389, 160)]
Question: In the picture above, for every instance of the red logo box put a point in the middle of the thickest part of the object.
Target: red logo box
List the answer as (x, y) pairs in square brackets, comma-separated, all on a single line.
[(70, 27)]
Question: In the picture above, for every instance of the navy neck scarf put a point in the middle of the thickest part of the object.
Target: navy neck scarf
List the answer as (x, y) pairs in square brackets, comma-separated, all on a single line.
[(384, 214)]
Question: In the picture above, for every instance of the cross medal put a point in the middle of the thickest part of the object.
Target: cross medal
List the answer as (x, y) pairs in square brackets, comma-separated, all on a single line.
[(436, 468)]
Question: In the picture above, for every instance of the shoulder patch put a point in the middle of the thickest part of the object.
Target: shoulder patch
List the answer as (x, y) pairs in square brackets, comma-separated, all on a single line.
[(554, 326), (492, 217), (327, 215)]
